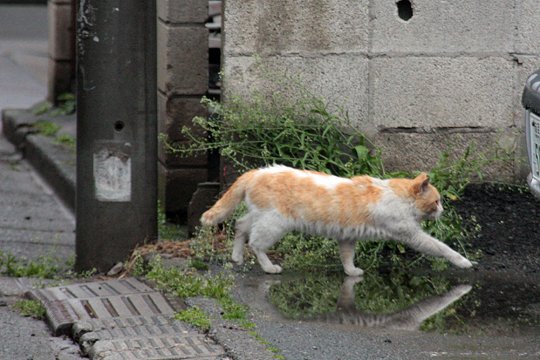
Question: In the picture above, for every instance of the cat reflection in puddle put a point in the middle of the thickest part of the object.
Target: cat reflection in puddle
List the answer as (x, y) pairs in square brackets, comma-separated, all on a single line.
[(409, 318)]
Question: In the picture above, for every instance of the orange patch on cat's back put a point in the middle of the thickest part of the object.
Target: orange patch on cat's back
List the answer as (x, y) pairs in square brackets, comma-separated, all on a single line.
[(298, 196), (355, 199)]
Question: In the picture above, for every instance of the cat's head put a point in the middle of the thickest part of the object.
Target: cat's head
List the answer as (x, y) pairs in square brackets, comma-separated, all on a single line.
[(426, 198)]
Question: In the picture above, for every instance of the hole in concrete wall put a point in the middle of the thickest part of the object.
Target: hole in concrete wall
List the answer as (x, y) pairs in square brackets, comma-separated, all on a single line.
[(119, 125), (405, 10)]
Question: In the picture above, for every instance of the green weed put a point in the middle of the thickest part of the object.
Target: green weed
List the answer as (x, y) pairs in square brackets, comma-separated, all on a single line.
[(196, 317), (47, 128), (184, 283), (45, 267), (66, 140), (31, 308), (264, 130), (66, 104)]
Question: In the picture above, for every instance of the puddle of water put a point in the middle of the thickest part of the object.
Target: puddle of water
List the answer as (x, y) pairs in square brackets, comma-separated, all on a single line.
[(491, 304)]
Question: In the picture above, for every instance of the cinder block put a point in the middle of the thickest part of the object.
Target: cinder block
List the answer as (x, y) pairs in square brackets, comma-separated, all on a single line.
[(173, 114), (176, 186), (61, 32), (444, 26), (430, 92), (182, 59), (528, 37), (182, 11), (292, 26), (342, 80), (420, 152), (61, 75)]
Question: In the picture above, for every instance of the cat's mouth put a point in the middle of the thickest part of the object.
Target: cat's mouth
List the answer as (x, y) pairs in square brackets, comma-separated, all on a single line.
[(434, 215)]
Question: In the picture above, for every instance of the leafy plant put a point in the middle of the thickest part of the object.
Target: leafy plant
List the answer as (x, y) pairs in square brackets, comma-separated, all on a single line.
[(185, 283), (31, 308), (66, 104), (66, 140), (44, 267), (196, 317), (47, 128), (267, 130)]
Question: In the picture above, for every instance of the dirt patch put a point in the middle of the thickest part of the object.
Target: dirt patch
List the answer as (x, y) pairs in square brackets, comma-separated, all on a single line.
[(510, 234)]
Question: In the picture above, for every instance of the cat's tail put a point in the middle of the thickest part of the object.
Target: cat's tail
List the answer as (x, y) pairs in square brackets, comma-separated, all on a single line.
[(225, 206)]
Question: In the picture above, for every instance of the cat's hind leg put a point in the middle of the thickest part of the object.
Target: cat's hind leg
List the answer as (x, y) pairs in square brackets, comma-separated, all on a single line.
[(263, 235), (346, 253), (241, 236)]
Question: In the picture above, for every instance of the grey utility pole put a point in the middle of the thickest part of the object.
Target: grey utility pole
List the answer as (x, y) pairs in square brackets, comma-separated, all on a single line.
[(116, 130)]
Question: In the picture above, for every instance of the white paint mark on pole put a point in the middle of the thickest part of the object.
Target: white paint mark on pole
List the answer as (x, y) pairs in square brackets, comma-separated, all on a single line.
[(112, 175)]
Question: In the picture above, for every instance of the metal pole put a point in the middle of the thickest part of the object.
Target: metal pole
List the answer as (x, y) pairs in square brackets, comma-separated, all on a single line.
[(116, 130)]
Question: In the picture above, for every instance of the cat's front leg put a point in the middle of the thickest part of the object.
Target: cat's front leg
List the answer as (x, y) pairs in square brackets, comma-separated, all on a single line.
[(346, 253), (429, 245)]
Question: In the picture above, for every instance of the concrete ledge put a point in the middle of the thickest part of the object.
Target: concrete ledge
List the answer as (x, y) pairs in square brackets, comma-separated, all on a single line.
[(53, 161)]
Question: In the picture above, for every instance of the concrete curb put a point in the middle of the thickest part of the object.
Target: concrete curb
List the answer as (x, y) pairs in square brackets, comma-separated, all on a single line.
[(55, 162)]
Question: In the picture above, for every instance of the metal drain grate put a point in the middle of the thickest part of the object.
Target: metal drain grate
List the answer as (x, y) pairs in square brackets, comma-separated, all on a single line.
[(147, 304), (124, 319), (92, 289), (95, 325), (175, 347)]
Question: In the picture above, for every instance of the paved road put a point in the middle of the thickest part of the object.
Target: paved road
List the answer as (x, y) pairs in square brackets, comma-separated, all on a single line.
[(33, 223)]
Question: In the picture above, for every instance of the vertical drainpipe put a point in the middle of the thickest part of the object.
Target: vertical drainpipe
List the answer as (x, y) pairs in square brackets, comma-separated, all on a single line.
[(116, 130)]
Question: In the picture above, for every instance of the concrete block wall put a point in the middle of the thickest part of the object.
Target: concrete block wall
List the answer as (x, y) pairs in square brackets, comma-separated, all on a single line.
[(182, 46), (450, 76), (61, 69)]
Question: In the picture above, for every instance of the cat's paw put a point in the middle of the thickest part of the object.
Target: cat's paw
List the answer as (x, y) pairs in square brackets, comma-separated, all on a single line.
[(461, 290), (462, 263), (354, 272), (273, 269), (237, 258)]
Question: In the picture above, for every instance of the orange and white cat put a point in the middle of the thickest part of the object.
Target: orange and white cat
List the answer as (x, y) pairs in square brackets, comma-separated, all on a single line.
[(281, 199)]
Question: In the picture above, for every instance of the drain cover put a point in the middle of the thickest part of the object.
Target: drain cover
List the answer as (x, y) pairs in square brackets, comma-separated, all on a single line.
[(95, 325), (102, 300), (92, 289), (170, 347), (122, 305), (124, 319)]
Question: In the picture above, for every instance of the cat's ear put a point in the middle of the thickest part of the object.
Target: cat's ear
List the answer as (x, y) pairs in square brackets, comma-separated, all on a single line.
[(420, 183)]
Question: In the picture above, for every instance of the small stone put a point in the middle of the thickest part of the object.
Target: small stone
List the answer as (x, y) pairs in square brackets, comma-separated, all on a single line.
[(116, 269), (3, 303)]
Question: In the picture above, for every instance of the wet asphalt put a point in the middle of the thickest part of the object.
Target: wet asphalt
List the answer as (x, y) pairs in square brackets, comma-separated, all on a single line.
[(451, 316)]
